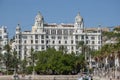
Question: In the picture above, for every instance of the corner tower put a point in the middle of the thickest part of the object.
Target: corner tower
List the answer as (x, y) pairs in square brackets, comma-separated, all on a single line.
[(39, 23), (79, 24), (18, 29)]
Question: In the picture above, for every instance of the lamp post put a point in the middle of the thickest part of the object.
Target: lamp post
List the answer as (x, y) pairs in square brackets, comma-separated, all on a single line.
[(33, 72), (32, 58), (0, 66)]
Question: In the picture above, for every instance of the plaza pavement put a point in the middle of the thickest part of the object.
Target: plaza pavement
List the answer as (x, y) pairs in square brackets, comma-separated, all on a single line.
[(50, 77)]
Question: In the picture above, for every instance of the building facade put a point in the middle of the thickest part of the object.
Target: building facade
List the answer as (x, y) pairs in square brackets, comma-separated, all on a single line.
[(44, 35), (3, 37)]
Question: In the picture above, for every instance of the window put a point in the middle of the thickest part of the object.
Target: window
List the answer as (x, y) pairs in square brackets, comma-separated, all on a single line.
[(98, 42), (24, 41), (65, 37), (19, 47), (47, 46), (36, 41), (82, 36), (30, 63), (4, 30), (87, 42), (59, 42), (47, 42), (71, 41), (31, 41), (86, 37), (25, 54), (47, 31), (65, 32), (76, 37), (36, 36), (42, 47), (19, 41), (92, 37), (59, 32), (47, 36), (36, 47), (53, 31), (42, 41), (16, 36), (0, 37), (5, 36), (31, 37), (71, 32), (72, 48), (16, 41), (76, 42), (99, 37), (24, 37), (19, 36), (25, 48), (53, 42), (93, 42), (42, 36), (53, 37), (59, 37), (65, 42)]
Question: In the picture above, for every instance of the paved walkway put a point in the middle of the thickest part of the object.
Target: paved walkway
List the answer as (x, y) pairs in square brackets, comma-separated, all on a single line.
[(103, 78), (51, 77)]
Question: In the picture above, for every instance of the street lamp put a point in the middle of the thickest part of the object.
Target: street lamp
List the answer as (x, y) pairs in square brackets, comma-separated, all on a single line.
[(32, 58)]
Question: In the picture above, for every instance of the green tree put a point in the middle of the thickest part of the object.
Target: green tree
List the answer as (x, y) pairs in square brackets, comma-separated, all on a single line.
[(1, 56), (63, 49), (7, 58), (7, 48), (32, 60), (1, 61), (23, 66), (55, 62)]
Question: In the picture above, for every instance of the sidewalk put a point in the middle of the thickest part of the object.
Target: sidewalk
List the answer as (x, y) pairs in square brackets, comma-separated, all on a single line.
[(98, 78), (103, 78)]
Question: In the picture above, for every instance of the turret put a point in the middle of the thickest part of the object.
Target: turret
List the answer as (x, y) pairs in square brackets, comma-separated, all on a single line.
[(18, 29), (39, 21), (79, 24)]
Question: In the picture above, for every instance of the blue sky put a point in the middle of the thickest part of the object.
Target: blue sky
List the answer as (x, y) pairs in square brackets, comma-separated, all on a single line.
[(94, 12)]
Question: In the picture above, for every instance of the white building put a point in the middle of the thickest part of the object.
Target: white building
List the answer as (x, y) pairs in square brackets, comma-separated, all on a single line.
[(3, 42), (44, 35), (3, 37)]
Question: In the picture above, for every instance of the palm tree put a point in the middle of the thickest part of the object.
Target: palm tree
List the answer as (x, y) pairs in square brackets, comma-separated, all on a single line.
[(16, 61), (118, 51), (7, 57), (32, 57), (1, 59), (23, 64)]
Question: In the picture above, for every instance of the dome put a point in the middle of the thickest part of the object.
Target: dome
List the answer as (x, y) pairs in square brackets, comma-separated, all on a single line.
[(39, 17), (18, 27), (78, 18)]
